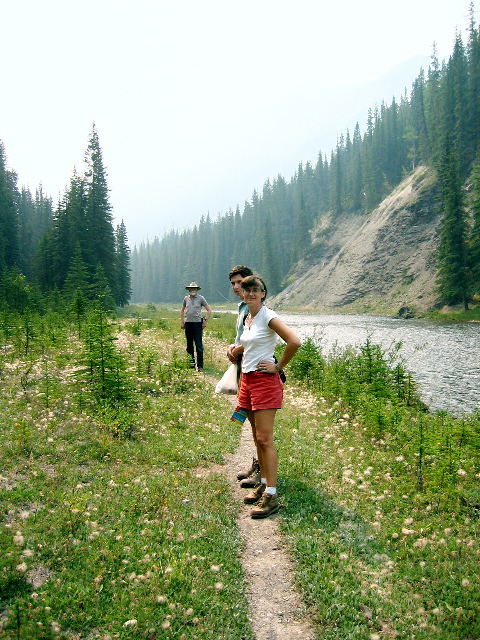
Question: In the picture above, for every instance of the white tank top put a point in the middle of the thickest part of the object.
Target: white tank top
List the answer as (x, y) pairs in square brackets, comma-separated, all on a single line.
[(258, 340)]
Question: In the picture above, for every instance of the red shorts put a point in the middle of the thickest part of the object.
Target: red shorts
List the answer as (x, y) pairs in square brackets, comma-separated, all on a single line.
[(260, 391)]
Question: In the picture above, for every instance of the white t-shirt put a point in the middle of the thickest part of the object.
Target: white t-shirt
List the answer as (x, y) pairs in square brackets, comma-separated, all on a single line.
[(258, 340)]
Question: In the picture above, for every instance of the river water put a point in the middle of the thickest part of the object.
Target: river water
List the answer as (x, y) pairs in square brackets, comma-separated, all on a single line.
[(444, 357)]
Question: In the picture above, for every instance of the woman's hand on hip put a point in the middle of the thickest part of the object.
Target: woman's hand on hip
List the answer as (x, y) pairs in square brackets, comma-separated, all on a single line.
[(267, 367)]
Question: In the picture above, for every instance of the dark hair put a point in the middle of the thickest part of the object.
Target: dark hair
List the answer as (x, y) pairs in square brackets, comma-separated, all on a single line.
[(240, 270), (254, 281)]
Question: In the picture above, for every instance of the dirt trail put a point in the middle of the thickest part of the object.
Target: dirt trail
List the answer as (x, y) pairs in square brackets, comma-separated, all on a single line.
[(277, 611)]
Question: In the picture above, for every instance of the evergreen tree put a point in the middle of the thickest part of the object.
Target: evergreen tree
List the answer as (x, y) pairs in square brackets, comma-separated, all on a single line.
[(356, 172), (77, 288), (452, 254), (420, 151), (77, 280), (101, 291), (337, 185), (456, 82), (102, 366), (302, 236), (66, 231), (433, 110), (34, 220), (270, 270), (372, 172), (123, 290), (43, 265), (99, 248), (474, 252), (9, 238), (473, 133)]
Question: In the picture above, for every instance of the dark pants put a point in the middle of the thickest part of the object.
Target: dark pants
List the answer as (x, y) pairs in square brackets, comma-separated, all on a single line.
[(194, 334)]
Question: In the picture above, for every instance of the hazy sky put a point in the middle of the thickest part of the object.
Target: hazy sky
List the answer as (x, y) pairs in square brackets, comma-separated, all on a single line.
[(196, 102)]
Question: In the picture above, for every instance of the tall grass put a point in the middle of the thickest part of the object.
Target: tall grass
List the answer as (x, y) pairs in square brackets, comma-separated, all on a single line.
[(111, 526), (116, 525)]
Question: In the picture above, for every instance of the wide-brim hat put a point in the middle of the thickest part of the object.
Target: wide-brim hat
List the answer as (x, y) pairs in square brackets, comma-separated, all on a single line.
[(193, 285)]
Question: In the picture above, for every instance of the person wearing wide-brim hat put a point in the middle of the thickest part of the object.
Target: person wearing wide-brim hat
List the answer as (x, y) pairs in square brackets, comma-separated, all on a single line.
[(193, 323)]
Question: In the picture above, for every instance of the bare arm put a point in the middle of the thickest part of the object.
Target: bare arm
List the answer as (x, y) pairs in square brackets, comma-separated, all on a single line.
[(209, 312), (292, 341), (236, 351)]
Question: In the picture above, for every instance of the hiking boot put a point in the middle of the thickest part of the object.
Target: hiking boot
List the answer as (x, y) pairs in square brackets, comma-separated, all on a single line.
[(254, 495), (267, 505), (254, 468), (251, 481)]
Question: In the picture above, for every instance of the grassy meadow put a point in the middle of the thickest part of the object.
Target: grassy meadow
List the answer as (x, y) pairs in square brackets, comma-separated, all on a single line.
[(111, 528)]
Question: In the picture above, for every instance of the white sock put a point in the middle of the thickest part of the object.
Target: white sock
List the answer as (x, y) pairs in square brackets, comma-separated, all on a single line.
[(264, 481), (271, 490)]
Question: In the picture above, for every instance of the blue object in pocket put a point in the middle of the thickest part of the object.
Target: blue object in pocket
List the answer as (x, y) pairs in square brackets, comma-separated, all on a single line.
[(239, 416)]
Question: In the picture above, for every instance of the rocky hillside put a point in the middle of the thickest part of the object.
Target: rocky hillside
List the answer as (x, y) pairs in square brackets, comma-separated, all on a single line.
[(382, 262)]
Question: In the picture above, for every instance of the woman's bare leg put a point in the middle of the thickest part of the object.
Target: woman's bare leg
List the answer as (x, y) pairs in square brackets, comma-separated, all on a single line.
[(251, 419), (262, 427)]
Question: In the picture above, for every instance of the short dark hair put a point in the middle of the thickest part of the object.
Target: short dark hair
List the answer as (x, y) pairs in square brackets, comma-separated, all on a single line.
[(240, 270), (254, 281)]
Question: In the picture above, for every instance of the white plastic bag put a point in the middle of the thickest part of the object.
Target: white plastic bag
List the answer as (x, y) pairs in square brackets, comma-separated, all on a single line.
[(228, 382)]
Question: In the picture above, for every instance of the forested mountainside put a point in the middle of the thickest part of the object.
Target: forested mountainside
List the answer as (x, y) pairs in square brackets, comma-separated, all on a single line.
[(383, 262), (340, 224)]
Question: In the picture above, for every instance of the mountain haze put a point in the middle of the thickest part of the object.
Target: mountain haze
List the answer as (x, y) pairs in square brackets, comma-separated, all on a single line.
[(351, 230)]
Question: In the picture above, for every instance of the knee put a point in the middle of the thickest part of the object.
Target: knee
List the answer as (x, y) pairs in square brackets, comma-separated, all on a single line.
[(264, 441)]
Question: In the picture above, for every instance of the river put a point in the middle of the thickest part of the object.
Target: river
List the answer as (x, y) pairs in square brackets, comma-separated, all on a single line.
[(444, 357)]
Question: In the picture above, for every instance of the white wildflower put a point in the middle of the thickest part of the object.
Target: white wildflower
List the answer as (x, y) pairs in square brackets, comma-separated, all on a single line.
[(18, 538), (130, 623), (421, 543)]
